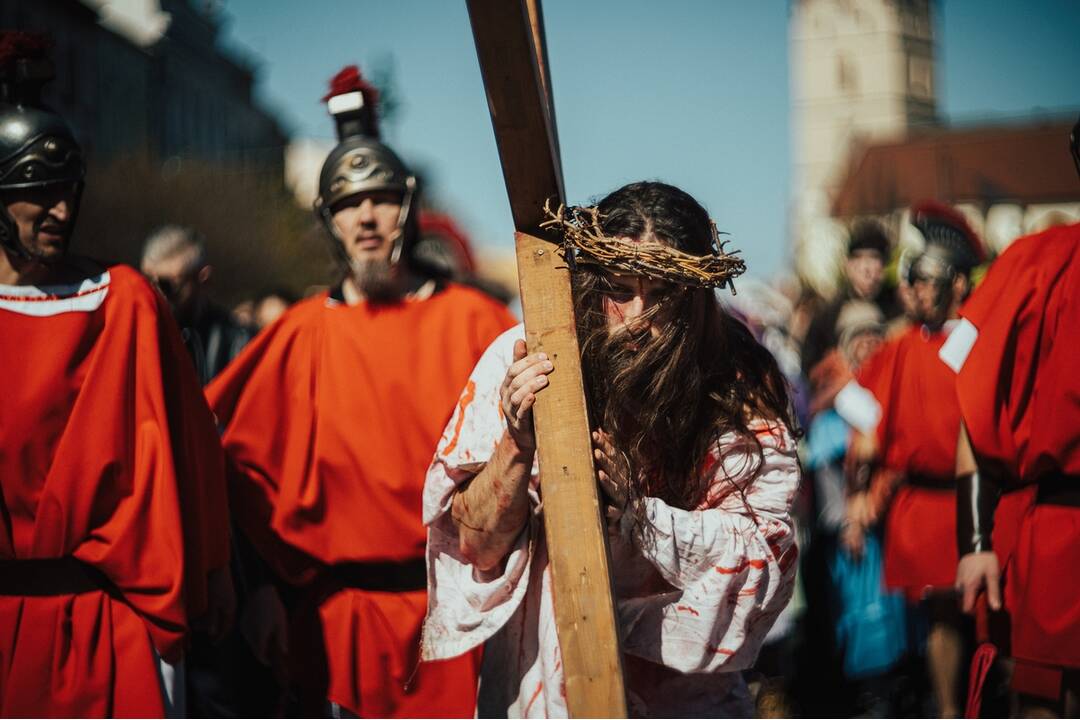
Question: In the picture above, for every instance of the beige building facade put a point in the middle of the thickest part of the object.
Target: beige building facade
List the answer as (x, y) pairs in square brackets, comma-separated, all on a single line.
[(861, 71)]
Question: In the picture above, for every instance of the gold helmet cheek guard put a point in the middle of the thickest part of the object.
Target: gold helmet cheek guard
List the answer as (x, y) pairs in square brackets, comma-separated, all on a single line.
[(403, 219)]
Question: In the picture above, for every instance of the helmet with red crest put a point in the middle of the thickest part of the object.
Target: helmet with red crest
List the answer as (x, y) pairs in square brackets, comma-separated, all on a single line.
[(950, 245), (361, 162)]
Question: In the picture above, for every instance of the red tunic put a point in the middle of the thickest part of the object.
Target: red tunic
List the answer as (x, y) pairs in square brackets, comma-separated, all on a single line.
[(1019, 391), (109, 454), (916, 436), (332, 416)]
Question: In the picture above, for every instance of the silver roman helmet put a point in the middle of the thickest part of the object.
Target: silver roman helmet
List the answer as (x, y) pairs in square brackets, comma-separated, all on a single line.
[(360, 162), (37, 149)]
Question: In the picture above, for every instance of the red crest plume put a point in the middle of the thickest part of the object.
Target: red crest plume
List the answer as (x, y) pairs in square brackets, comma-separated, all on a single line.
[(931, 210), (16, 45), (350, 80)]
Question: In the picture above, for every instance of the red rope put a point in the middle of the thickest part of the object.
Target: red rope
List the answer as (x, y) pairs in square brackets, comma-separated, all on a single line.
[(983, 659)]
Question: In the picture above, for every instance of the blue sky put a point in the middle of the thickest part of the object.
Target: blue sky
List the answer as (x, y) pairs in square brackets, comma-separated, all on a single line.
[(692, 92)]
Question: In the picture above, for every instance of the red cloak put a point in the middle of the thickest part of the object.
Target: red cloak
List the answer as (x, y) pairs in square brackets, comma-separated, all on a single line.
[(108, 454), (332, 415), (1018, 385), (916, 438)]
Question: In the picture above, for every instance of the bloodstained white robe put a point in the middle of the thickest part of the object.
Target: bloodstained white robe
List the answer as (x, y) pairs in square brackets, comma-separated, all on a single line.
[(694, 606)]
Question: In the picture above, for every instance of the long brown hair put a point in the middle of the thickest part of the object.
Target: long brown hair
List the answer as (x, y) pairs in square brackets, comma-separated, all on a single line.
[(665, 400)]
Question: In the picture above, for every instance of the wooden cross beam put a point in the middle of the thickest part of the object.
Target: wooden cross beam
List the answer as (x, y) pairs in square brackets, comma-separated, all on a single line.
[(512, 53)]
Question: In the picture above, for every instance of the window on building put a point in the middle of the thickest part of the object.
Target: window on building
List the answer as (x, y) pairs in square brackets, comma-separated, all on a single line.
[(920, 77), (845, 76)]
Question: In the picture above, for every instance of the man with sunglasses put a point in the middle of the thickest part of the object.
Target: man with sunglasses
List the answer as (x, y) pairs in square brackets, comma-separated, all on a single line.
[(174, 260), (901, 459)]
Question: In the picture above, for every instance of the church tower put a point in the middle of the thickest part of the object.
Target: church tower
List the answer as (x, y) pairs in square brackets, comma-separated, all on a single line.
[(861, 70)]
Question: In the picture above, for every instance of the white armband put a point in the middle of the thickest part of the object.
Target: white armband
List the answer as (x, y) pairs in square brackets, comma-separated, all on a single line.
[(954, 352), (858, 407)]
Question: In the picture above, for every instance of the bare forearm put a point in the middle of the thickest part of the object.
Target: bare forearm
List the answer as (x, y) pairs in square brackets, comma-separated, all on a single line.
[(862, 454), (492, 509)]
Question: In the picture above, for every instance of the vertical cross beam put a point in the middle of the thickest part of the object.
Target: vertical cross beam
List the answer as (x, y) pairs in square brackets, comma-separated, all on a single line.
[(511, 49)]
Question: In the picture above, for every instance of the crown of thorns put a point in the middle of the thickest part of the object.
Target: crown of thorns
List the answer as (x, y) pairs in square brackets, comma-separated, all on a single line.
[(584, 241)]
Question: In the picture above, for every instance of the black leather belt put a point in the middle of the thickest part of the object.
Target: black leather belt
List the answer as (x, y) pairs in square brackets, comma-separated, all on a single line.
[(407, 576), (51, 576), (931, 482), (1058, 490)]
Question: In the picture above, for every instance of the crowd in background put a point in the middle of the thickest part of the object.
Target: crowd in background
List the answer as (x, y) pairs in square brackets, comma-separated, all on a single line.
[(852, 643)]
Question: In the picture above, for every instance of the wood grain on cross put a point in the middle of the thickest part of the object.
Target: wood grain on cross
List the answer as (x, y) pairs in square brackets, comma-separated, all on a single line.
[(511, 49)]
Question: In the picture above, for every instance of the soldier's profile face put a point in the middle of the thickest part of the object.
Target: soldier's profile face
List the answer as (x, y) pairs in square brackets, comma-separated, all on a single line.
[(44, 217), (367, 224)]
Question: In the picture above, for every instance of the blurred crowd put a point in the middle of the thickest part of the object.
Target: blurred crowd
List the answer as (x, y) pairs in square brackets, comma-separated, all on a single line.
[(877, 629)]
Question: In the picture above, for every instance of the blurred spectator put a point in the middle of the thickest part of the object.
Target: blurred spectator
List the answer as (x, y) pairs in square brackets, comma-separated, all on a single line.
[(222, 678), (864, 270), (243, 313), (174, 260), (270, 305), (854, 631)]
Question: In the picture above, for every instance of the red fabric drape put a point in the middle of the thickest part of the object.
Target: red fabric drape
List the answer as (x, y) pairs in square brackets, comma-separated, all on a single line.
[(332, 415), (108, 453)]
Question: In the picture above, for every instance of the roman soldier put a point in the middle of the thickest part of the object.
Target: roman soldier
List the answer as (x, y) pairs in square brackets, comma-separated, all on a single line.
[(330, 418), (113, 515)]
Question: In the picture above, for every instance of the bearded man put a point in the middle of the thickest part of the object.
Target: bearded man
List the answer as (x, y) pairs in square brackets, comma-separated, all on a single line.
[(113, 515), (694, 457), (331, 415)]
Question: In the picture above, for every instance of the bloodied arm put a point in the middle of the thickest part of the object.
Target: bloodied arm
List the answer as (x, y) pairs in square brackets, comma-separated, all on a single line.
[(491, 510)]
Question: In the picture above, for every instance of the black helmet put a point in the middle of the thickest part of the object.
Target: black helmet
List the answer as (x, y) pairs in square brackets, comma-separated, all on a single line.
[(951, 246), (360, 162), (37, 148)]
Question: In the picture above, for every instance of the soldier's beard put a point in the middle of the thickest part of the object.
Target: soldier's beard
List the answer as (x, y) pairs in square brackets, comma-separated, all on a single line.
[(37, 250), (934, 313), (376, 280)]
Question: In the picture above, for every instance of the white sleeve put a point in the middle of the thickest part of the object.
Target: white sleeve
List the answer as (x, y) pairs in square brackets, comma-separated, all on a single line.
[(465, 606), (733, 567)]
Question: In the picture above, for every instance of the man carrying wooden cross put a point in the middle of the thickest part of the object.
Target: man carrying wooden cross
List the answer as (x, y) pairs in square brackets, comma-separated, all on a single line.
[(694, 457)]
